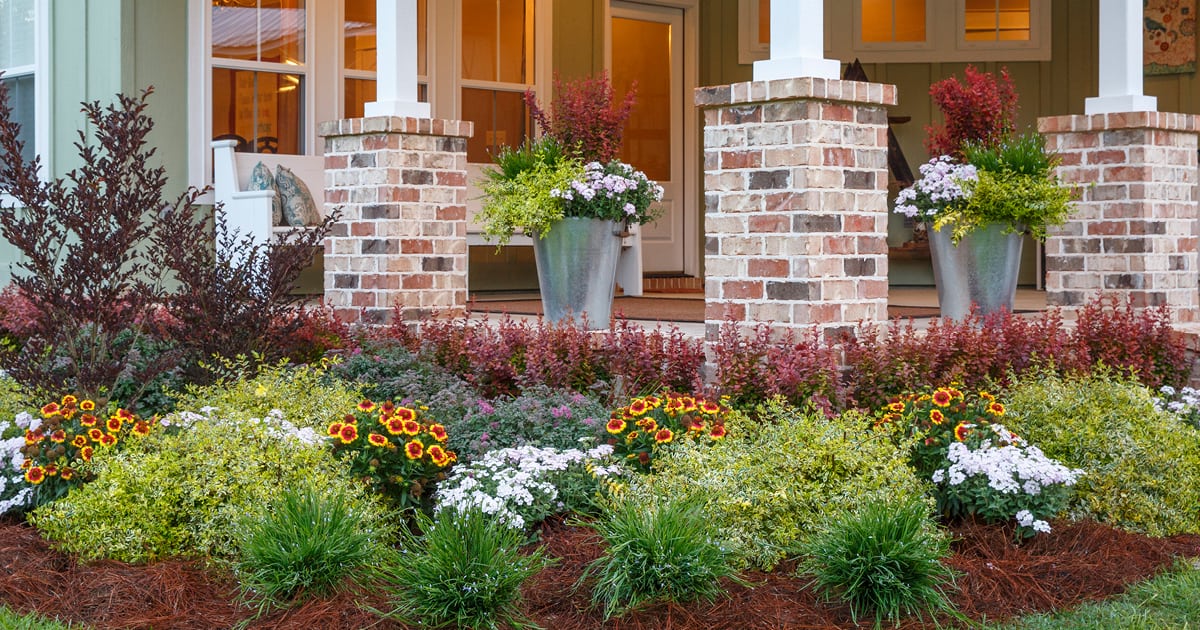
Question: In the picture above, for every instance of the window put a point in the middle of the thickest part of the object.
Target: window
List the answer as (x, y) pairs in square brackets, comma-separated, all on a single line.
[(915, 31), (497, 68), (359, 54), (18, 62), (259, 74)]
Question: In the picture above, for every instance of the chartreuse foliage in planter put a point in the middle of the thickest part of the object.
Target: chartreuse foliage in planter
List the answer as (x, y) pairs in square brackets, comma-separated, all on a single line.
[(771, 482), (1142, 465), (184, 492)]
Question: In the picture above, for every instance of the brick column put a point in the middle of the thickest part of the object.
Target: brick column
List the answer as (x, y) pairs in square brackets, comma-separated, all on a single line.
[(795, 195), (1133, 231), (401, 184)]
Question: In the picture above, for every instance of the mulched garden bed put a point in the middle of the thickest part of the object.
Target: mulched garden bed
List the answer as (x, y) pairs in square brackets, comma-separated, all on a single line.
[(997, 580)]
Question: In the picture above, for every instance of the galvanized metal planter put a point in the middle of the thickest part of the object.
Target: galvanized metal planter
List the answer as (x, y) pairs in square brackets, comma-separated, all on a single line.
[(577, 270), (981, 269)]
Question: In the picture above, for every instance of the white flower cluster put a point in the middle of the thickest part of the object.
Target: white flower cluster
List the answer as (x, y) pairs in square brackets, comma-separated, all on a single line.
[(1184, 403), (274, 424), (508, 479), (15, 492), (941, 184), (1025, 518)]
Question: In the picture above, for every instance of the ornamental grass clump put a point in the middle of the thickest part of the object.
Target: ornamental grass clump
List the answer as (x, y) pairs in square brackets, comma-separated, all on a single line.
[(394, 449), (656, 552), (305, 544), (464, 570), (647, 424), (884, 558)]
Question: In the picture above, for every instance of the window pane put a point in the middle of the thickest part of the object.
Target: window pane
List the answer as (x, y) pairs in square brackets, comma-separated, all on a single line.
[(500, 119), (282, 31), (997, 20), (16, 33), (263, 111), (479, 40), (359, 35), (516, 36), (893, 20), (20, 98), (647, 140), (358, 93)]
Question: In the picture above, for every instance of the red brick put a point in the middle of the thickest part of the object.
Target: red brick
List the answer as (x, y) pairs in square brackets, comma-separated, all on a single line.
[(742, 290), (1108, 228), (451, 178), (452, 213), (768, 267), (842, 113), (400, 193), (858, 223), (362, 298), (772, 223), (362, 228), (837, 156), (838, 245), (1126, 174), (741, 159), (336, 162), (416, 246), (418, 281), (720, 311)]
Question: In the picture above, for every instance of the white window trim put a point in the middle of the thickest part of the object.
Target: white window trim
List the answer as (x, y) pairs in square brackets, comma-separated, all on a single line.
[(944, 43), (41, 89)]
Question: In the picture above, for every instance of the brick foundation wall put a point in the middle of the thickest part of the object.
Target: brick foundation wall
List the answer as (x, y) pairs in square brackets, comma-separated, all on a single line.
[(401, 184), (1134, 230), (795, 194)]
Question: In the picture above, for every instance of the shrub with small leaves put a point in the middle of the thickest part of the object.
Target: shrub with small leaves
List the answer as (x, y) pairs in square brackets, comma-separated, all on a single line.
[(656, 552), (465, 571), (386, 370), (765, 488), (539, 416), (884, 558), (304, 544)]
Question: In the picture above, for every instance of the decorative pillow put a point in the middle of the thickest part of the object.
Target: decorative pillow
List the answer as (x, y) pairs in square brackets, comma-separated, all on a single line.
[(262, 179), (298, 205)]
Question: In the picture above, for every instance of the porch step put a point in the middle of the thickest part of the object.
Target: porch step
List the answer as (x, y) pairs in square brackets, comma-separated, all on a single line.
[(672, 284)]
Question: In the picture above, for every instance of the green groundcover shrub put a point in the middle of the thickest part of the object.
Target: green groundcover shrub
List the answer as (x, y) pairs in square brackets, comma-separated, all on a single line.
[(1142, 465), (772, 481), (307, 395), (183, 493)]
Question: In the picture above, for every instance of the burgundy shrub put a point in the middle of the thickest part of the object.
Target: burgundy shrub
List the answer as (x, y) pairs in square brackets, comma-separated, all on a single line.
[(1141, 343)]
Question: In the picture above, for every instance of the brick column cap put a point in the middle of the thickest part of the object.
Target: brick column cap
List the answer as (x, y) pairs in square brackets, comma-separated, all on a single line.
[(799, 88), (396, 124), (1166, 121)]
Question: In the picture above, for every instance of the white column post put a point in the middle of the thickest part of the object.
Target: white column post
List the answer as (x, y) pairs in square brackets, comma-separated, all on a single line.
[(396, 61), (797, 43), (1120, 60)]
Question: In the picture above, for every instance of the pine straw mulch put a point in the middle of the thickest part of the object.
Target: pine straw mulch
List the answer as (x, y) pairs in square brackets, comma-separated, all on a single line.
[(997, 580)]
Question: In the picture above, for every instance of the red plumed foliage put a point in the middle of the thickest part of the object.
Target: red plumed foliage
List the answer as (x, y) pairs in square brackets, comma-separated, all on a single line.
[(584, 117), (982, 110)]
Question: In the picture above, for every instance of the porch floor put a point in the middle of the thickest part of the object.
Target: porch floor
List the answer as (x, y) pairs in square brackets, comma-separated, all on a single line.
[(686, 310)]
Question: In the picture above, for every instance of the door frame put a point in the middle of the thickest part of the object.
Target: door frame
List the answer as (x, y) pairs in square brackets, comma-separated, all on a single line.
[(693, 215)]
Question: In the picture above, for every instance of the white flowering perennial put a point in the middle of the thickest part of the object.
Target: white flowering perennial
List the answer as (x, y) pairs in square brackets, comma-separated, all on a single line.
[(1184, 403), (1010, 467), (942, 183), (511, 483)]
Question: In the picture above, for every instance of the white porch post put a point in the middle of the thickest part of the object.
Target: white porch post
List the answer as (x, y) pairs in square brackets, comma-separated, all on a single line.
[(797, 43), (1120, 60), (396, 64)]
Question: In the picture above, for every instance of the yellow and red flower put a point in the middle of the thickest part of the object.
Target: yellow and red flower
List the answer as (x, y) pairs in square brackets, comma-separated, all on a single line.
[(50, 409), (411, 427), (638, 407), (85, 453), (51, 470), (962, 431), (95, 434), (395, 426), (113, 425), (648, 425), (35, 475), (377, 440), (334, 430), (438, 455), (718, 432), (58, 437), (124, 414), (366, 406), (348, 434), (942, 397), (438, 432), (709, 407), (87, 405), (87, 419), (66, 474), (141, 428), (414, 449), (33, 437), (80, 441), (108, 439), (995, 408), (69, 400), (615, 425), (936, 416), (404, 413), (664, 436)]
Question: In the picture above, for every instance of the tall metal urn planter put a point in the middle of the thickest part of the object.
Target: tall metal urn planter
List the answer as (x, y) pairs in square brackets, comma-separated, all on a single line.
[(981, 269), (577, 270)]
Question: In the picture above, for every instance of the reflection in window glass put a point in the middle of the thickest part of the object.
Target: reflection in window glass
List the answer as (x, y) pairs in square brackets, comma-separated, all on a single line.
[(263, 111), (16, 34), (272, 30), (893, 20), (997, 20), (647, 139), (500, 119), (359, 35), (498, 40), (20, 99)]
